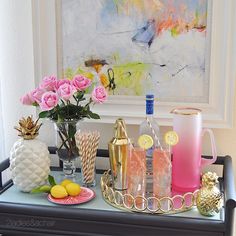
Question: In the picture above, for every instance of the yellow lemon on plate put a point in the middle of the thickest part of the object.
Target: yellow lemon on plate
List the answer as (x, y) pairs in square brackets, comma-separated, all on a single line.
[(145, 141), (58, 191), (171, 138), (65, 182), (73, 189)]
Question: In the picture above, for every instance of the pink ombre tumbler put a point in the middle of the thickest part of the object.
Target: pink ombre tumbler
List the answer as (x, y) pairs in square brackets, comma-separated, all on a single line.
[(187, 161)]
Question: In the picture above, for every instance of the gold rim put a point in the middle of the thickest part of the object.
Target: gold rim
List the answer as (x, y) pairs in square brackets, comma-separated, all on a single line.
[(186, 111), (127, 202)]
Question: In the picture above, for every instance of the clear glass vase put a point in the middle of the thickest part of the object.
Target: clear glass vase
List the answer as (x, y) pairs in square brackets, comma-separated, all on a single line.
[(67, 150)]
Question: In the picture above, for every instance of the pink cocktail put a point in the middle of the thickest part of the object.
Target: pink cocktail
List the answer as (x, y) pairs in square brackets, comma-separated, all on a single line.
[(162, 177), (136, 172), (161, 173)]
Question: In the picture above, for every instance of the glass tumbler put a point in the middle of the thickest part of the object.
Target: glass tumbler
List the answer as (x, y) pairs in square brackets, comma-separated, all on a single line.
[(162, 175), (136, 175)]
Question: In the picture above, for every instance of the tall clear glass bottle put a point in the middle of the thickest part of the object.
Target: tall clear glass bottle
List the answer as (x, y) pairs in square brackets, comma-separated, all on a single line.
[(145, 129)]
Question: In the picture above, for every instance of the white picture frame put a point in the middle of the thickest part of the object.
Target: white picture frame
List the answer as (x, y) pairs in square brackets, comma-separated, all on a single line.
[(217, 112)]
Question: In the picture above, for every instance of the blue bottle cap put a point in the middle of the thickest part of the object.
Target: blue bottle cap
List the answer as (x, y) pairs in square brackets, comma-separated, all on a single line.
[(149, 97)]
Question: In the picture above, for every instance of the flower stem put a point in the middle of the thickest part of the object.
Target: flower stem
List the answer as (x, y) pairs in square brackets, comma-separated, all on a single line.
[(66, 132), (63, 141)]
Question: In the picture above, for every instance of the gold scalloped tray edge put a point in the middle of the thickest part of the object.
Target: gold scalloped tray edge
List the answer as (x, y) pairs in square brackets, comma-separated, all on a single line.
[(150, 205)]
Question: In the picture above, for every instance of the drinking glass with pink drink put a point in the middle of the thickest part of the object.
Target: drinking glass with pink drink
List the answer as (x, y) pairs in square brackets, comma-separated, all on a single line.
[(136, 173), (162, 176), (161, 173)]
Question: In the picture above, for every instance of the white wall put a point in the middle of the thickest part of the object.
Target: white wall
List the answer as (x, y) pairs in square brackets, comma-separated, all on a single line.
[(16, 63)]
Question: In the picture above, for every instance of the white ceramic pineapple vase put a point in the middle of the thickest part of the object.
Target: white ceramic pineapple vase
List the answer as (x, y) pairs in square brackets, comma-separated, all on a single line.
[(29, 157)]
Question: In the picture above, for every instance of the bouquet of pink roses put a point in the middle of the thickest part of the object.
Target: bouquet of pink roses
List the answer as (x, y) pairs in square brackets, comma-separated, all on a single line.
[(64, 100)]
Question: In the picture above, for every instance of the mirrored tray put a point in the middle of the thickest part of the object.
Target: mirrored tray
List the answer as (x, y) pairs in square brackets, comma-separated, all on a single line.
[(152, 205)]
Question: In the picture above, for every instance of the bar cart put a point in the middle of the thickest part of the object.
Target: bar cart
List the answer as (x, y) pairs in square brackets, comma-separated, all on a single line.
[(27, 214)]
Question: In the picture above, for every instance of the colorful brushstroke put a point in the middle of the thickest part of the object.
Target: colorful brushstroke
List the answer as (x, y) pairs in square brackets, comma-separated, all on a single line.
[(116, 77), (132, 46), (175, 16)]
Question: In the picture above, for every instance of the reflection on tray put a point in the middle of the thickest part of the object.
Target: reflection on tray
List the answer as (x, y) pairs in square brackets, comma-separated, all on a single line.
[(122, 200)]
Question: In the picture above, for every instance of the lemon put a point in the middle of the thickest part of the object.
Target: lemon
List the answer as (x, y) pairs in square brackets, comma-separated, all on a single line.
[(65, 182), (73, 189), (171, 138), (58, 191), (145, 141)]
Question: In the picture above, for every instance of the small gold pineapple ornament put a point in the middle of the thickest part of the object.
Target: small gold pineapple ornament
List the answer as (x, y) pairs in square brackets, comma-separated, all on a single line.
[(28, 129), (209, 198), (29, 157)]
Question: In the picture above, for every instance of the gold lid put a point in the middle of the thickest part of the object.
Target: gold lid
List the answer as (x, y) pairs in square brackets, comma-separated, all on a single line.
[(186, 111), (120, 128)]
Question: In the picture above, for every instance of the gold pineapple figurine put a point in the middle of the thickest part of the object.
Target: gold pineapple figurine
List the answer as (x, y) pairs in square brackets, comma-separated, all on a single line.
[(209, 198), (28, 129)]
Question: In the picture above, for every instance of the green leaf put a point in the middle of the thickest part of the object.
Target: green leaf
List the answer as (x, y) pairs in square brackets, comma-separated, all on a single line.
[(36, 190), (51, 180), (93, 115), (81, 99), (79, 109), (41, 189), (67, 112), (79, 95), (44, 114), (45, 188), (35, 104)]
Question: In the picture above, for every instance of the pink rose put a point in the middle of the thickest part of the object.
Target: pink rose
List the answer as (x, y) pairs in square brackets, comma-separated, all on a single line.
[(49, 101), (66, 91), (80, 82), (37, 94), (99, 94), (49, 83), (60, 82), (27, 99)]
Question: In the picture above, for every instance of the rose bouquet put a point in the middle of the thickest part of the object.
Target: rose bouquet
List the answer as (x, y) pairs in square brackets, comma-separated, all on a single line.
[(64, 102), (54, 97)]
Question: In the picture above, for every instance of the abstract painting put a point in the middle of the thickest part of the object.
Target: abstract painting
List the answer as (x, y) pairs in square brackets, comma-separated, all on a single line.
[(134, 47)]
